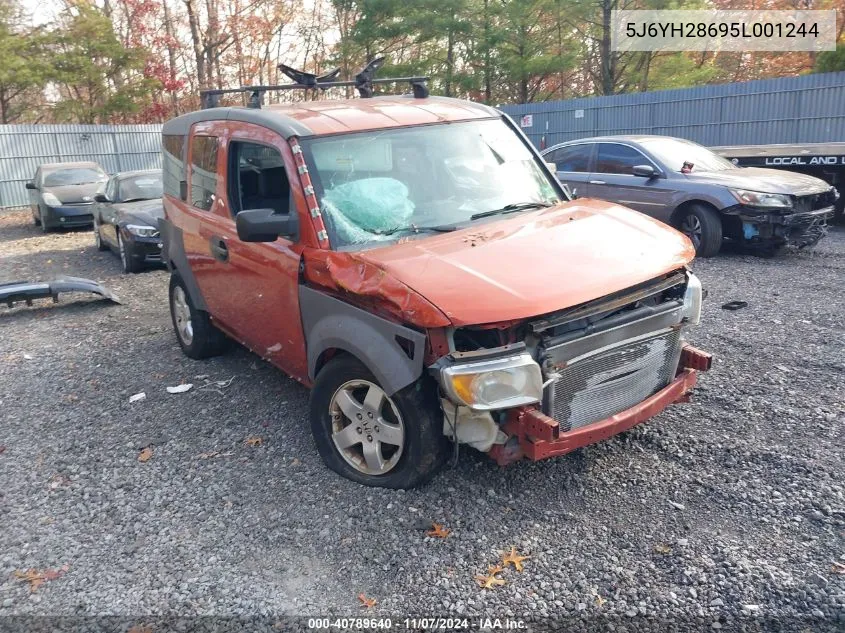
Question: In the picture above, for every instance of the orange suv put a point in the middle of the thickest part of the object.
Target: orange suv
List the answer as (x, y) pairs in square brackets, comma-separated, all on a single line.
[(416, 264)]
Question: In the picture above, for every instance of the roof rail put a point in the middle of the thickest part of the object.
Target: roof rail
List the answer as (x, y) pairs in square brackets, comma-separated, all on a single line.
[(302, 80)]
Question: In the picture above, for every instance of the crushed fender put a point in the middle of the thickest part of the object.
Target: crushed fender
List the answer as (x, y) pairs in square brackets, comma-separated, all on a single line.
[(26, 291), (350, 274)]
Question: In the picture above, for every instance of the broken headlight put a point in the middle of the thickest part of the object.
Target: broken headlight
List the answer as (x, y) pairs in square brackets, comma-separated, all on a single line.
[(498, 383), (692, 300), (759, 199)]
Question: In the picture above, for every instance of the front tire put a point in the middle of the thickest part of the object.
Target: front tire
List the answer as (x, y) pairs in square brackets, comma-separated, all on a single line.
[(373, 439), (127, 260), (703, 226), (197, 337)]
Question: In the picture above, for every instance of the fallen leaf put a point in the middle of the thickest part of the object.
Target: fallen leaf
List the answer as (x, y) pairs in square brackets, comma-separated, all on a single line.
[(489, 582), (495, 569), (180, 388), (145, 454), (36, 578), (599, 600), (366, 603), (295, 462), (2, 448), (140, 628), (254, 441), (662, 548), (514, 559), (837, 568), (138, 397), (438, 531)]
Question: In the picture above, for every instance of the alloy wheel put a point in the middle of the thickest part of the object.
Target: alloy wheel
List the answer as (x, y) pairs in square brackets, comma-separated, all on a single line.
[(182, 316), (691, 227), (367, 428)]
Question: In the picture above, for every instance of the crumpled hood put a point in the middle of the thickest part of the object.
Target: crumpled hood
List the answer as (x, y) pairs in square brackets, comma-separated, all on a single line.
[(763, 180), (141, 212), (535, 262), (74, 194)]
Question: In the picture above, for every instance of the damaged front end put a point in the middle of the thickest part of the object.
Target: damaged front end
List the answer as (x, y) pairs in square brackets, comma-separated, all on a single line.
[(799, 222), (546, 386)]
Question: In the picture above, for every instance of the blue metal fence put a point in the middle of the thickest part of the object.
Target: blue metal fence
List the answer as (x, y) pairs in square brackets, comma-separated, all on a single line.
[(806, 109), (115, 147)]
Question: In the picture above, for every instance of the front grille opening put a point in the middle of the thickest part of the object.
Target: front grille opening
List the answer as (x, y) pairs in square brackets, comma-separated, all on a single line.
[(609, 382)]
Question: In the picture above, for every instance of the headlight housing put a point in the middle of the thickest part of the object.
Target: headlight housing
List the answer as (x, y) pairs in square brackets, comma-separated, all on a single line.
[(498, 383), (142, 230), (760, 199), (692, 300), (50, 199)]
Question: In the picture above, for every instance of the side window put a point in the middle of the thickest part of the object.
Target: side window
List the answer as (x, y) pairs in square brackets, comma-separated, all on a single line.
[(618, 159), (111, 189), (573, 158), (257, 178), (173, 163), (203, 171)]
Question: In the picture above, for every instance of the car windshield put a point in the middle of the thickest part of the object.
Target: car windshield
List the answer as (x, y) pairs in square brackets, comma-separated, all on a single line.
[(375, 187), (74, 176), (674, 152), (141, 187)]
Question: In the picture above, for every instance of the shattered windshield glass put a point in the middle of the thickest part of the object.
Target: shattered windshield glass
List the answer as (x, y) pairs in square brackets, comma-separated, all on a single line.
[(376, 187)]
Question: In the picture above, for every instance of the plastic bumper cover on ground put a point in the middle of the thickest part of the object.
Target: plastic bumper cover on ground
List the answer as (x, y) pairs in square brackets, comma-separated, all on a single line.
[(536, 436)]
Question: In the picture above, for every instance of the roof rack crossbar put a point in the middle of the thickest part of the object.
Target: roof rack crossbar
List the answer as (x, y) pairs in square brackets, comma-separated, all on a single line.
[(363, 82)]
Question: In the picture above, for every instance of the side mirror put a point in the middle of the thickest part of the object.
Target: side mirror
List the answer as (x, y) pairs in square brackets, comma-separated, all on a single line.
[(262, 225), (552, 167), (646, 171), (101, 197), (30, 185)]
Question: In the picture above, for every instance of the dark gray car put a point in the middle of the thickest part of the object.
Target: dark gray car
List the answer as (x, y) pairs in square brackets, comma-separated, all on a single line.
[(61, 194), (702, 194), (126, 216)]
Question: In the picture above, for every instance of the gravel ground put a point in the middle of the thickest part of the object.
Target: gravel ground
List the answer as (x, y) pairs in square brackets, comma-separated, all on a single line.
[(728, 512)]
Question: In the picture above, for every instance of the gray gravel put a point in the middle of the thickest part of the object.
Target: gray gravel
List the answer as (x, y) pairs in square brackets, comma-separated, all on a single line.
[(721, 514)]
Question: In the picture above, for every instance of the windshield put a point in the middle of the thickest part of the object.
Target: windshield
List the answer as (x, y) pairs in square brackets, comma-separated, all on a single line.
[(674, 152), (141, 187), (74, 176), (379, 186)]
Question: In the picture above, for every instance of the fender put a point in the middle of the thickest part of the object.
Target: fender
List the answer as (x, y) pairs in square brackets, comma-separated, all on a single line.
[(173, 254), (330, 323)]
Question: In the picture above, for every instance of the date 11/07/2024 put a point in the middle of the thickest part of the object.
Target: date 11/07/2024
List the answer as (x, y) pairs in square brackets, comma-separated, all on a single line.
[(419, 624)]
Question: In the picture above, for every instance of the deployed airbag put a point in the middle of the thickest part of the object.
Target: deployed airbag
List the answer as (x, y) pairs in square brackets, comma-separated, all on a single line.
[(366, 210)]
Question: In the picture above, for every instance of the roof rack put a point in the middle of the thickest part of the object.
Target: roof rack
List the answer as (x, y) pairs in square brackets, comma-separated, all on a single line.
[(302, 80)]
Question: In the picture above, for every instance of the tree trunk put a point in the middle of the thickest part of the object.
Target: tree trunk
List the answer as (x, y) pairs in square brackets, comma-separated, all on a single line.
[(196, 41), (171, 56)]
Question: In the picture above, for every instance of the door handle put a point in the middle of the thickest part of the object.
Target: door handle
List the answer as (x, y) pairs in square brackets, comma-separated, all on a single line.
[(218, 247), (597, 182)]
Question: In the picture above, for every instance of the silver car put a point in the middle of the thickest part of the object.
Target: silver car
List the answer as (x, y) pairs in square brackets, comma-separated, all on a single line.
[(702, 194)]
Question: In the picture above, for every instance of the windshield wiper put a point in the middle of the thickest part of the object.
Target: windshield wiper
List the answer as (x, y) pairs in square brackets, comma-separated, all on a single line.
[(442, 228), (510, 208), (136, 200)]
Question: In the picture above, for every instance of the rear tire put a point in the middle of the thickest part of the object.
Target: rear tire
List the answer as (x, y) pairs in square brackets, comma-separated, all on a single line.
[(703, 226), (197, 337), (98, 239), (410, 416)]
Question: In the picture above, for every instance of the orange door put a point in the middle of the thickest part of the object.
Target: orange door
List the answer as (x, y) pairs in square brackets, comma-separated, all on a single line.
[(253, 288)]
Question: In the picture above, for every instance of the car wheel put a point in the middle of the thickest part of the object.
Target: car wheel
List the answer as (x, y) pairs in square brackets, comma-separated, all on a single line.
[(98, 240), (703, 226), (369, 437), (36, 220), (127, 261), (197, 337)]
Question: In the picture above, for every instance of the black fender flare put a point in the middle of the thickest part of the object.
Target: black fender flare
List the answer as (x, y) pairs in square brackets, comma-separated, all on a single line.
[(329, 323)]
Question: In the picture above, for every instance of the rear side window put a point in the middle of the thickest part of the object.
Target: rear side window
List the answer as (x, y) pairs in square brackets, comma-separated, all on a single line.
[(203, 171), (173, 163), (618, 159), (573, 158)]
